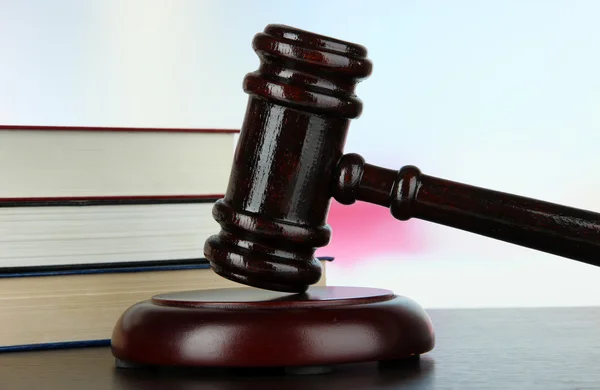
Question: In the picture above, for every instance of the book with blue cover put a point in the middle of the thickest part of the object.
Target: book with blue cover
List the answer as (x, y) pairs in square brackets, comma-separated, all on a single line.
[(68, 306)]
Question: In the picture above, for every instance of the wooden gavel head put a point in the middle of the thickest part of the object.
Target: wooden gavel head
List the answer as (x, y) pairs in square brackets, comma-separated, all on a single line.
[(289, 163), (274, 213)]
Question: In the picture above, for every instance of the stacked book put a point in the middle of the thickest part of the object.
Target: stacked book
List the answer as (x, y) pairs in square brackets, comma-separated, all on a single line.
[(93, 220)]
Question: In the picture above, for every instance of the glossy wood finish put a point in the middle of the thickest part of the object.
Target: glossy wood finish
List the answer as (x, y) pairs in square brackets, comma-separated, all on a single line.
[(248, 327), (477, 349), (552, 228), (274, 211), (289, 162)]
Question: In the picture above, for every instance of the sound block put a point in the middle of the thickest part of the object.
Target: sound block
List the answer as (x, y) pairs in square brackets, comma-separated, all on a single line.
[(248, 327)]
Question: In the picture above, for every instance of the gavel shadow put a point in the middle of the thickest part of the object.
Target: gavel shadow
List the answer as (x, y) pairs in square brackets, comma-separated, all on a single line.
[(364, 376)]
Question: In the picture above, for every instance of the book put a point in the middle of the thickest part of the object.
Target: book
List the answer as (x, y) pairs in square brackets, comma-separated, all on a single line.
[(73, 307), (95, 163), (51, 235)]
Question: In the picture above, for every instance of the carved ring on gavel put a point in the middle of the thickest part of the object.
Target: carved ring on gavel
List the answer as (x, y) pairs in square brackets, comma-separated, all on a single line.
[(289, 163)]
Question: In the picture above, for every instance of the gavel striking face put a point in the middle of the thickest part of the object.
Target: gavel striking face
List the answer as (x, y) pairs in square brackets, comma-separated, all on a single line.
[(289, 163)]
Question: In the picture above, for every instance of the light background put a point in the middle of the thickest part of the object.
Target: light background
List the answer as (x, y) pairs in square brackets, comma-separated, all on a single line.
[(503, 94)]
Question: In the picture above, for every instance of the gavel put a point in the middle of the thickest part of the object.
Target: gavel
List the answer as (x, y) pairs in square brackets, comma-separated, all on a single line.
[(289, 163)]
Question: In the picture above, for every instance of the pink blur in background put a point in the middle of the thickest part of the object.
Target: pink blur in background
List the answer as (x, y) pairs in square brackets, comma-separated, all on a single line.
[(363, 230)]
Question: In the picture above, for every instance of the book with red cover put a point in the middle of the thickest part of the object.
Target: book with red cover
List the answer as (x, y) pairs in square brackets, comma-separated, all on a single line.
[(92, 165)]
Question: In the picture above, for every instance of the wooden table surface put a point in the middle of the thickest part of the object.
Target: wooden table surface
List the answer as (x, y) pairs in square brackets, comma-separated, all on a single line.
[(544, 349)]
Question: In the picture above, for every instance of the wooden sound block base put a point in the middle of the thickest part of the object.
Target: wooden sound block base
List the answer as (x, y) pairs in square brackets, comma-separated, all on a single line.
[(248, 327)]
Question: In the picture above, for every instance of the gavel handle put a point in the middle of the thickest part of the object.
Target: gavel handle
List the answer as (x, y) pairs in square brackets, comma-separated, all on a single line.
[(564, 231)]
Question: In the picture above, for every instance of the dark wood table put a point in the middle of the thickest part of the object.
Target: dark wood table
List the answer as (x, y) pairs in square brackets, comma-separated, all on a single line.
[(544, 349)]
